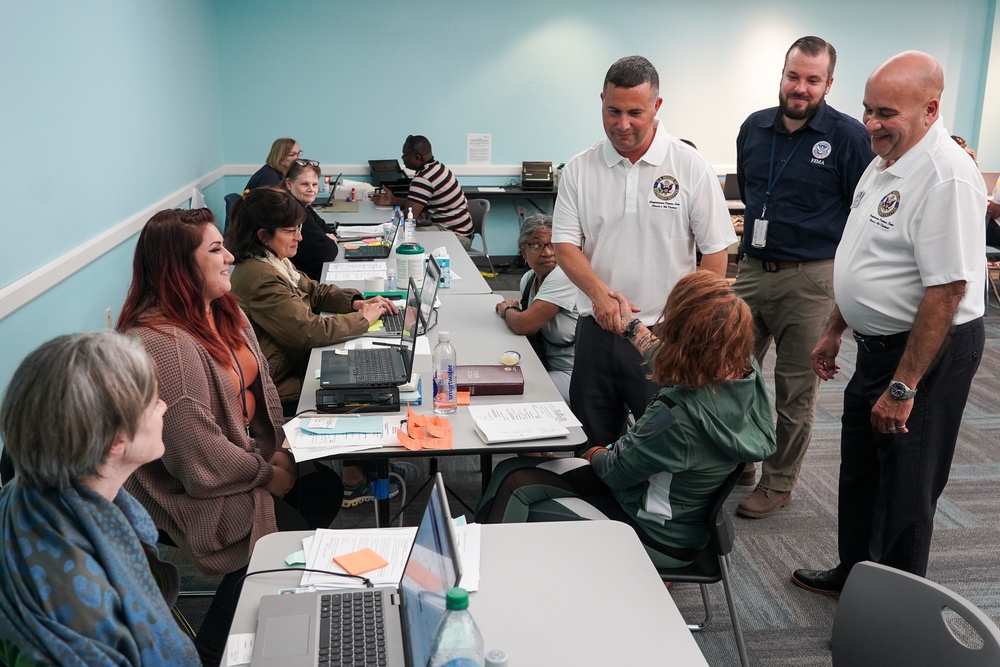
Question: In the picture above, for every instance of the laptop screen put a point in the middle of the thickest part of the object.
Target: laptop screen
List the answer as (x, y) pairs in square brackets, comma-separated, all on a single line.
[(411, 324), (428, 290), (431, 570)]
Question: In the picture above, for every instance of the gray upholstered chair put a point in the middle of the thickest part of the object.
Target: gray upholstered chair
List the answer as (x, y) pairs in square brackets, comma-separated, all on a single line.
[(479, 209)]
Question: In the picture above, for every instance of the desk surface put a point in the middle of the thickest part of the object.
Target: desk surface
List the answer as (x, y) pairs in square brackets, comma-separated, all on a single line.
[(509, 192), (479, 337), (470, 281), (572, 593)]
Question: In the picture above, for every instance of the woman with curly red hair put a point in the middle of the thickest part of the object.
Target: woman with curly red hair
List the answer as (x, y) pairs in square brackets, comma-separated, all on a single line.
[(662, 476)]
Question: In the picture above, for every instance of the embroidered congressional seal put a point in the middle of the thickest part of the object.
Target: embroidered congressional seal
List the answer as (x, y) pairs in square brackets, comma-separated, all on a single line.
[(821, 150), (666, 188), (889, 204)]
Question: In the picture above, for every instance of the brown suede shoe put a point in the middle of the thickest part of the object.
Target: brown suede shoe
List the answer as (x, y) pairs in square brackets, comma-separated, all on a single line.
[(763, 502), (749, 475)]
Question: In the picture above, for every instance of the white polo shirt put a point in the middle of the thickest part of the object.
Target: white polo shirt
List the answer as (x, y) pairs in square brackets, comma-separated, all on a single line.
[(918, 223), (638, 224)]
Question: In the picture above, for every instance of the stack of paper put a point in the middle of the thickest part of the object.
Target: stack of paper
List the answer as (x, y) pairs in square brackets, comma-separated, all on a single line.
[(392, 544), (316, 437), (515, 422)]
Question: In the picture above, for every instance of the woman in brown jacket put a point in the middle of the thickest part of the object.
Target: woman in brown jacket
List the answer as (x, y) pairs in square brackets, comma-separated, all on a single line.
[(224, 481), (285, 306)]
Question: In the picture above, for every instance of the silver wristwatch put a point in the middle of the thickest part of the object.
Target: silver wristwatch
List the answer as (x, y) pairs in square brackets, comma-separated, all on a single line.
[(900, 391)]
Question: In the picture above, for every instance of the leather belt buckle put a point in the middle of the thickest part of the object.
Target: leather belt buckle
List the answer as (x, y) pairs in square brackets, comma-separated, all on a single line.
[(770, 267)]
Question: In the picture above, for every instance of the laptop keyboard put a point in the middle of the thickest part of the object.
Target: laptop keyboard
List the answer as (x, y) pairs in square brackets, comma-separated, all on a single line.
[(374, 365), (352, 629), (392, 322)]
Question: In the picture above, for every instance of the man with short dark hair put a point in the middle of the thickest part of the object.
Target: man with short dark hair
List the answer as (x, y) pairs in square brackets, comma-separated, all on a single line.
[(631, 211), (909, 275), (796, 165), (434, 190)]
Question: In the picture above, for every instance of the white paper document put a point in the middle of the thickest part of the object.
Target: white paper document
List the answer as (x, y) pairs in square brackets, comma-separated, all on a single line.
[(515, 422), (308, 446), (341, 271), (392, 544)]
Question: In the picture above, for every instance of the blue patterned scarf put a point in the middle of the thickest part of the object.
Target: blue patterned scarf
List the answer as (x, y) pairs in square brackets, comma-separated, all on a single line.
[(75, 585)]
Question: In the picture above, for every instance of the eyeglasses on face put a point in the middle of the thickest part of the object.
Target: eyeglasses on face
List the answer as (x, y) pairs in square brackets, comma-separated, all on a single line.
[(297, 153), (538, 247), (291, 230), (307, 163)]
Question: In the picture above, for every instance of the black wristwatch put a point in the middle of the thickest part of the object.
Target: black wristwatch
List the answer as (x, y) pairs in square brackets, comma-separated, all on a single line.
[(900, 391), (631, 329)]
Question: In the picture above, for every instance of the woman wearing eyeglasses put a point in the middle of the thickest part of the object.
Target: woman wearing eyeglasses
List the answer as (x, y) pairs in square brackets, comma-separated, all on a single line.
[(284, 305), (224, 480), (547, 311), (317, 246), (283, 151)]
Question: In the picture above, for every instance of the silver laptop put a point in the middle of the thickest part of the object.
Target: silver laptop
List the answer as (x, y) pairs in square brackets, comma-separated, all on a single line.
[(388, 366), (304, 629), (392, 325)]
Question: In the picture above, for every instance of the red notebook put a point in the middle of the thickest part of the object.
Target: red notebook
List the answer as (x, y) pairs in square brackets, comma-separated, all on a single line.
[(489, 380)]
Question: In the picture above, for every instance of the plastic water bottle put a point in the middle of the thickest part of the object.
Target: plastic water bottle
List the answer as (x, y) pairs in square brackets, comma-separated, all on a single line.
[(445, 398), (411, 226), (458, 642)]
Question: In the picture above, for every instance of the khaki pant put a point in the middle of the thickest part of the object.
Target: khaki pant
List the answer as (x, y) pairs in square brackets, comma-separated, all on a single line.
[(790, 307)]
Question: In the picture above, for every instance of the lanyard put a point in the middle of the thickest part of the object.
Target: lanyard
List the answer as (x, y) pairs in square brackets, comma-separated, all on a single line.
[(772, 178)]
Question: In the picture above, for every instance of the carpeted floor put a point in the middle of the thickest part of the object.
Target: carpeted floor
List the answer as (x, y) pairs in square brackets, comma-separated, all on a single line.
[(785, 626)]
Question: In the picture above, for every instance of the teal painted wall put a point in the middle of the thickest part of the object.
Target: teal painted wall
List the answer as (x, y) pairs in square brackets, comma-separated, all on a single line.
[(109, 106), (350, 80)]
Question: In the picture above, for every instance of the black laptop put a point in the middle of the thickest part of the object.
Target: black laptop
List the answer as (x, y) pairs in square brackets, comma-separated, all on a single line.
[(320, 202), (388, 174), (375, 366), (390, 625), (392, 325), (370, 252)]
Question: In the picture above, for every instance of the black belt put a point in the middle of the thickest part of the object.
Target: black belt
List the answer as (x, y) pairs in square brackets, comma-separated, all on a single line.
[(882, 343), (774, 267)]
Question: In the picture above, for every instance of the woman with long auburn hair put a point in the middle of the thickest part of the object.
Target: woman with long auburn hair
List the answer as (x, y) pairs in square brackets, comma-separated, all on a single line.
[(662, 476), (224, 480)]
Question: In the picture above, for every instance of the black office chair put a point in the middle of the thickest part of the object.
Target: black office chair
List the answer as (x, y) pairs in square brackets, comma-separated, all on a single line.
[(231, 199), (712, 565)]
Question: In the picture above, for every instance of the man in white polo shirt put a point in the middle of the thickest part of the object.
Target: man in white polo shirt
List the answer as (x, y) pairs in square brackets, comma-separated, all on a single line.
[(908, 276), (631, 211)]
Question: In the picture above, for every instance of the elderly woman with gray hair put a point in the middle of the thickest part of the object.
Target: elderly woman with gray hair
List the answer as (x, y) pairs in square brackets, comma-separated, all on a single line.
[(547, 311), (78, 552)]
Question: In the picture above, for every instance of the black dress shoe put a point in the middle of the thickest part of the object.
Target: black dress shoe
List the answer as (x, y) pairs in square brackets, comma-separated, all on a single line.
[(824, 582)]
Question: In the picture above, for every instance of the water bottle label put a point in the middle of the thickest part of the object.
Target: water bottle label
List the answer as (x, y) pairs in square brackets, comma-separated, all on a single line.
[(444, 389)]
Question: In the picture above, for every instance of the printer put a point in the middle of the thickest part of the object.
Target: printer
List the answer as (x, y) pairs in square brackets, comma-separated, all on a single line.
[(537, 176)]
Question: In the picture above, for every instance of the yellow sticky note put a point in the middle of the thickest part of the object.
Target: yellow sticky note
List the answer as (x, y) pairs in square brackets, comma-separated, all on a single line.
[(360, 562)]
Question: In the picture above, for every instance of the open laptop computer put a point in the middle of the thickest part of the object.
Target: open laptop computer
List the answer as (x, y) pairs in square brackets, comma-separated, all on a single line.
[(388, 174), (388, 366), (392, 325), (320, 202), (292, 630), (370, 252)]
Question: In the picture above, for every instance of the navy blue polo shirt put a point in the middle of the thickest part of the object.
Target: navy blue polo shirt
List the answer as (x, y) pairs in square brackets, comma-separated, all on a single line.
[(808, 208)]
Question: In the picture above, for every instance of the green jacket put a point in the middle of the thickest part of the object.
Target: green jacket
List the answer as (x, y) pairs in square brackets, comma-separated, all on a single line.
[(666, 470)]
